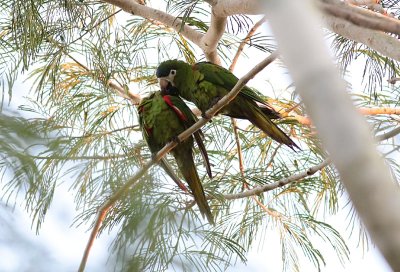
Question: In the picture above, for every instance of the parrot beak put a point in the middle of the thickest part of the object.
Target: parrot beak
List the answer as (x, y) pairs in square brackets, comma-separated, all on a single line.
[(163, 82)]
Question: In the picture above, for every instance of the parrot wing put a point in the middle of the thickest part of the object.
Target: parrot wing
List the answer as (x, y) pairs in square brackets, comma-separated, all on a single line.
[(188, 118), (143, 109), (220, 76)]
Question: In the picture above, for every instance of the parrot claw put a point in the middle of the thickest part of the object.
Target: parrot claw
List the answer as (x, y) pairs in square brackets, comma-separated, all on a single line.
[(176, 140), (206, 116), (214, 101)]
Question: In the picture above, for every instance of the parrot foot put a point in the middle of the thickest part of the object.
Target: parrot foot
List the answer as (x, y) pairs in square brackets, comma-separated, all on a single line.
[(153, 156), (214, 101), (206, 116), (176, 140)]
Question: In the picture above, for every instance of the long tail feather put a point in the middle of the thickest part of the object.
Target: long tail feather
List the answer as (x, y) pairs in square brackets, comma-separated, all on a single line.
[(199, 140), (272, 114), (258, 118), (188, 169)]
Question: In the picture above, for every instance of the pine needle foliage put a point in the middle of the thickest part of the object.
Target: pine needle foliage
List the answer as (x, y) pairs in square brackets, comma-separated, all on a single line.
[(70, 50)]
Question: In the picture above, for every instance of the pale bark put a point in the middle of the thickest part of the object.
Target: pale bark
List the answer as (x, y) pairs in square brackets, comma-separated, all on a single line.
[(231, 7), (208, 42), (344, 132), (377, 40)]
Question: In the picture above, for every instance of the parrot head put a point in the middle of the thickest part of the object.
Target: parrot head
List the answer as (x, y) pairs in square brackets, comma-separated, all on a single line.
[(171, 74)]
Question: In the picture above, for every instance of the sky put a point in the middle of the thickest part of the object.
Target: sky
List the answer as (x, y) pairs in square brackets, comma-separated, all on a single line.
[(59, 246)]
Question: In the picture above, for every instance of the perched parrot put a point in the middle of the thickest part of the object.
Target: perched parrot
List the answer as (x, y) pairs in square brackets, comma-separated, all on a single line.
[(205, 83), (162, 118)]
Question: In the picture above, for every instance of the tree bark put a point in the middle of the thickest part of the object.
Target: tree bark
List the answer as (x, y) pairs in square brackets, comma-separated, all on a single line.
[(344, 132)]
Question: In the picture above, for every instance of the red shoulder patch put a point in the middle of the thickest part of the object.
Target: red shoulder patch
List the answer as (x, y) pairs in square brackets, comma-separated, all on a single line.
[(178, 112), (149, 131)]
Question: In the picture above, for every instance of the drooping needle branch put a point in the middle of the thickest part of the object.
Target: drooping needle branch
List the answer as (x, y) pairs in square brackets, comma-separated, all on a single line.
[(245, 41), (309, 172), (304, 120), (134, 180), (271, 186), (233, 120)]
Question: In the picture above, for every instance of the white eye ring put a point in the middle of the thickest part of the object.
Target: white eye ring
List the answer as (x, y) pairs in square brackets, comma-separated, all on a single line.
[(172, 72)]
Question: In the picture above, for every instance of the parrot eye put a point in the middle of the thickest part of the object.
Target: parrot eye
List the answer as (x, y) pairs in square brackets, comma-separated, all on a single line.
[(172, 72)]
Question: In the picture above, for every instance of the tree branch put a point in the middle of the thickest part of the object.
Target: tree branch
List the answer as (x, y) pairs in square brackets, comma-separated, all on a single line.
[(232, 7), (77, 158), (268, 187), (361, 17), (388, 135), (304, 120), (208, 42), (377, 40), (342, 129), (245, 41), (309, 172), (133, 181)]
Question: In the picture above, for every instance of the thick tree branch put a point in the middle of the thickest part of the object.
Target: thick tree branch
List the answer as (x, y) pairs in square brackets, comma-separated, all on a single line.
[(231, 7), (133, 181), (388, 135), (361, 17), (208, 42), (345, 133), (377, 40), (131, 6)]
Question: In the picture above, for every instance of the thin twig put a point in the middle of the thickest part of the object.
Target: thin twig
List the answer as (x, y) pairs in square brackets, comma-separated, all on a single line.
[(393, 80), (271, 160), (239, 148), (94, 157), (388, 135), (245, 41), (268, 187), (133, 181), (311, 171), (125, 93), (94, 26), (294, 178), (304, 120), (233, 120), (134, 128)]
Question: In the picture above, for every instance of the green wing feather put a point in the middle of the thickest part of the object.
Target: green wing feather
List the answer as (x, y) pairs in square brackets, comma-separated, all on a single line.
[(145, 105), (223, 77), (198, 135)]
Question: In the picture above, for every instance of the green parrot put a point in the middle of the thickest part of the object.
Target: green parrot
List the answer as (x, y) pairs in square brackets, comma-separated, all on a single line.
[(204, 83), (162, 118)]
